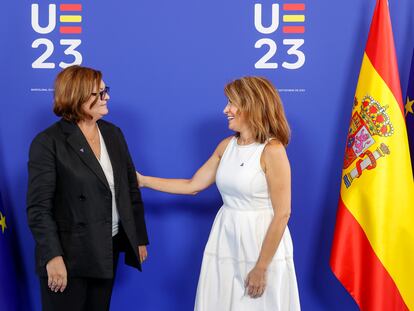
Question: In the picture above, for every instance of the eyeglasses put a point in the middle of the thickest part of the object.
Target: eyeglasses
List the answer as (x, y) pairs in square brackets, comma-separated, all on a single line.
[(102, 94)]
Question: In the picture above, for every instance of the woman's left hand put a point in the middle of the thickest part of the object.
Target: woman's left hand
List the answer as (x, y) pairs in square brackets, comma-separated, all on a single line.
[(143, 254), (256, 282)]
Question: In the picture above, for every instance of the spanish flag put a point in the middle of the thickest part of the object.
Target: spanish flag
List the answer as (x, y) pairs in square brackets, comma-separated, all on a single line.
[(373, 246)]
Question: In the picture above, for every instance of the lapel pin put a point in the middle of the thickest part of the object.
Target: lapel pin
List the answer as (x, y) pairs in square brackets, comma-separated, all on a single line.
[(81, 150)]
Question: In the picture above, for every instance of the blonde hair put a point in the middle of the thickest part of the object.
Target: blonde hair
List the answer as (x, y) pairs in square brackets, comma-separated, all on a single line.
[(259, 100), (73, 87)]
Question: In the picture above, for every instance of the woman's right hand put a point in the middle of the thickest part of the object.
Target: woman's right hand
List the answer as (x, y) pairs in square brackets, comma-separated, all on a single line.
[(57, 275), (140, 180), (203, 178)]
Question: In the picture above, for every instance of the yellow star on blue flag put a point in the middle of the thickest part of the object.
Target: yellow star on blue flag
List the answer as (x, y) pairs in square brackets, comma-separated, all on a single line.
[(409, 113), (409, 106), (3, 224), (12, 296)]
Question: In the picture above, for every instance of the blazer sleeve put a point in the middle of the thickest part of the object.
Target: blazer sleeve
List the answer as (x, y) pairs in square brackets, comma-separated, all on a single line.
[(40, 198), (135, 194)]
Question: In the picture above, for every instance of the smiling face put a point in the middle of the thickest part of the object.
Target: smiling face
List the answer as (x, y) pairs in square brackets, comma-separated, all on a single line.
[(99, 108), (255, 110), (236, 118)]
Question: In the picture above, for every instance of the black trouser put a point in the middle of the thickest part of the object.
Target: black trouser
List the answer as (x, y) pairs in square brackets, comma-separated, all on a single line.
[(83, 294)]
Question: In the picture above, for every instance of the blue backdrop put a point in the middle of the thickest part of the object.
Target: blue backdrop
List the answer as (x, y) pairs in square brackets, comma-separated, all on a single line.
[(166, 63)]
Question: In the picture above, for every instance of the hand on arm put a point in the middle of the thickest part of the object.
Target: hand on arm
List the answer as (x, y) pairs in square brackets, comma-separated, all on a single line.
[(277, 170), (140, 180), (203, 178)]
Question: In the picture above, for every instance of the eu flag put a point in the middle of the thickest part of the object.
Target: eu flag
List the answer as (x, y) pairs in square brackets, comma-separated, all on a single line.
[(409, 114), (9, 299)]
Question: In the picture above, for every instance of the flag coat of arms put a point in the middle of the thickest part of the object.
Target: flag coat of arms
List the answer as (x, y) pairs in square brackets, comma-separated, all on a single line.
[(373, 247)]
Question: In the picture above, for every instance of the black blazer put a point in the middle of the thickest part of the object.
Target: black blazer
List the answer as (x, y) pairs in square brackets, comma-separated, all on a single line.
[(69, 202)]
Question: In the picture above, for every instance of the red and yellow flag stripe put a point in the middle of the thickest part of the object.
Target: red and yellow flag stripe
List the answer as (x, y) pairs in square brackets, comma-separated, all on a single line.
[(373, 249)]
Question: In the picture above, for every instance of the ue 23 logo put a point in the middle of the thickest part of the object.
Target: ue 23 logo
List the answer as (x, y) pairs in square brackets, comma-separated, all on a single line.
[(42, 61), (292, 27)]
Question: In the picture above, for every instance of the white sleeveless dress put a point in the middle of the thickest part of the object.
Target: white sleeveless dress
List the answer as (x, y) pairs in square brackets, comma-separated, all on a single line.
[(236, 238)]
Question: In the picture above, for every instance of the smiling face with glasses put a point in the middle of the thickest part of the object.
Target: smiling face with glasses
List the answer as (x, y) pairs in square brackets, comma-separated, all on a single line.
[(102, 94), (96, 106)]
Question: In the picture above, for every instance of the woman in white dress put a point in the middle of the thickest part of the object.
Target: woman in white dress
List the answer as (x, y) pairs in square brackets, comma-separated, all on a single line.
[(248, 259)]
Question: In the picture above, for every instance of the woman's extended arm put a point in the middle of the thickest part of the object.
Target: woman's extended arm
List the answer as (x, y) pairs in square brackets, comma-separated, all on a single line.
[(203, 178)]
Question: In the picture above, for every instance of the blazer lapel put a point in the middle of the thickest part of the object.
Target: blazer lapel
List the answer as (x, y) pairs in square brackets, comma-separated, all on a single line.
[(78, 142), (112, 146)]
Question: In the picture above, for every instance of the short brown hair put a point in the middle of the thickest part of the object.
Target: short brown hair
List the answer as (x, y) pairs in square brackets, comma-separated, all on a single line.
[(73, 87), (259, 100)]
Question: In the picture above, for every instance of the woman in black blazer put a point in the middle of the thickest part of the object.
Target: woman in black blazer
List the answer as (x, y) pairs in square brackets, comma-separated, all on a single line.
[(83, 203)]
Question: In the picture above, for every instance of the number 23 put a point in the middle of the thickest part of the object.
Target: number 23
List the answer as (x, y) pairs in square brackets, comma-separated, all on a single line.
[(40, 62), (263, 63)]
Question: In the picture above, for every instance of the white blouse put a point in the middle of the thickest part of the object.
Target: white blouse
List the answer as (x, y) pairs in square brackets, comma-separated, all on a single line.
[(106, 165)]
